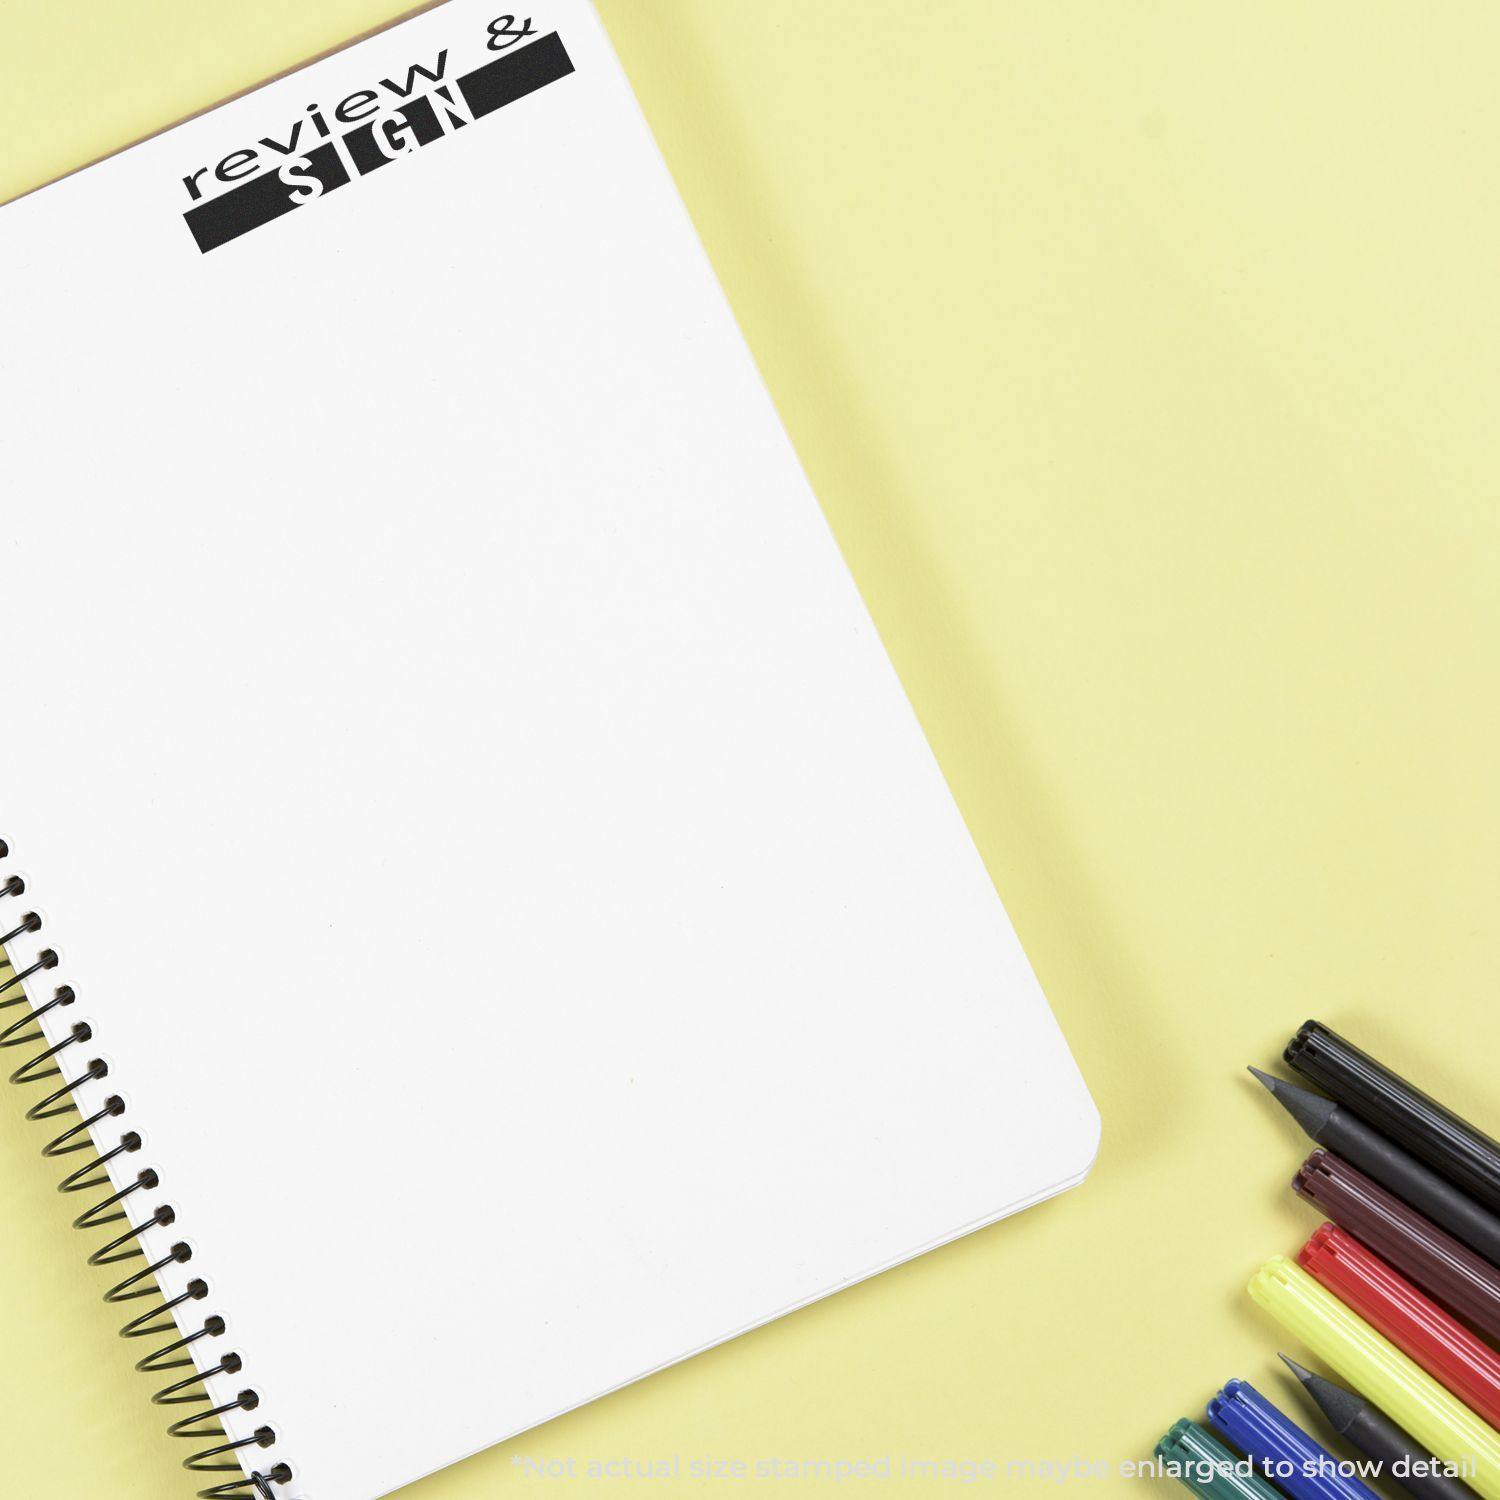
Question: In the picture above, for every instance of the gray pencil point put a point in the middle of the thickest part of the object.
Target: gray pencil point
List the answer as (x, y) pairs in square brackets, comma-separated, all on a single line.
[(1311, 1111), (1341, 1407)]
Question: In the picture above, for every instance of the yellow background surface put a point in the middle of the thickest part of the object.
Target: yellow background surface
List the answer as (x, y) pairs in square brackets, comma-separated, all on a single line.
[(1145, 359)]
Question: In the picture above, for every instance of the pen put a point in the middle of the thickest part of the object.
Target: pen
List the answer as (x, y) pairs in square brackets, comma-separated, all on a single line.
[(1464, 1154), (1282, 1451), (1404, 1391), (1413, 1323), (1343, 1132), (1202, 1463), (1450, 1273)]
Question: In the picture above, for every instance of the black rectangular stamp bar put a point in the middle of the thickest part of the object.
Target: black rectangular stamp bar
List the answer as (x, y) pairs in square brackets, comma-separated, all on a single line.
[(259, 201), (513, 75), (510, 77), (419, 117)]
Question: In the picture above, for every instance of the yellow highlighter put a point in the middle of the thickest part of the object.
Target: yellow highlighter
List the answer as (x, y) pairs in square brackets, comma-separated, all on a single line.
[(1405, 1392)]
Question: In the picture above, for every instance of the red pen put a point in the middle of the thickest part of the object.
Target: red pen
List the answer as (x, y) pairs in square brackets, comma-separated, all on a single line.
[(1411, 1321)]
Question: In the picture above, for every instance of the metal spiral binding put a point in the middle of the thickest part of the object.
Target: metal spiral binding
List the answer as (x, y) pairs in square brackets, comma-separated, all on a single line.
[(223, 1455)]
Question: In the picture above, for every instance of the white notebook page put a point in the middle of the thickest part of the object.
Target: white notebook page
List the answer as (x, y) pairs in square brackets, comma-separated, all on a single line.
[(468, 795)]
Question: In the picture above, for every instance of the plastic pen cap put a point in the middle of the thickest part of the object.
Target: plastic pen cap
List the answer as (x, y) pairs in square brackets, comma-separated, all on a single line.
[(1415, 1324), (1449, 1144), (1283, 1453), (1404, 1391), (1207, 1467), (1451, 1273)]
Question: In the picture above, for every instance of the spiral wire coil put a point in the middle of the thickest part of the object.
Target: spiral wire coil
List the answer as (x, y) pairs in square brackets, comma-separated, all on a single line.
[(50, 1069)]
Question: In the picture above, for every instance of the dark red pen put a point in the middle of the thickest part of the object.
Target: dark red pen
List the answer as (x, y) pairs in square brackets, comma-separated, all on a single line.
[(1452, 1274)]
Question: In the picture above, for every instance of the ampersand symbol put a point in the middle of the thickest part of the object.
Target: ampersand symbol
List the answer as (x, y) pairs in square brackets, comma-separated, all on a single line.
[(505, 33)]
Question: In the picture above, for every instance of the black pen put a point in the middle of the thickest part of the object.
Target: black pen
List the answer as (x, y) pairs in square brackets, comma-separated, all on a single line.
[(1451, 1146)]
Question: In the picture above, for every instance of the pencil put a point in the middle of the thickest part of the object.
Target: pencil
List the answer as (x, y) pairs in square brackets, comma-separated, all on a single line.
[(1400, 1459)]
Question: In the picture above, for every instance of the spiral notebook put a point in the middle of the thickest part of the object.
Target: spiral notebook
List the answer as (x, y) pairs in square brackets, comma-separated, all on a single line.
[(486, 896)]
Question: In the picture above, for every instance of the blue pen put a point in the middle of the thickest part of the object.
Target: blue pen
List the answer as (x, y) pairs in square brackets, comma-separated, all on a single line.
[(1285, 1454)]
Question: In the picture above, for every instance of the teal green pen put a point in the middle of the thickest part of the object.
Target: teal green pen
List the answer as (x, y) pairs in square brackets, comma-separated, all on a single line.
[(1201, 1462)]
